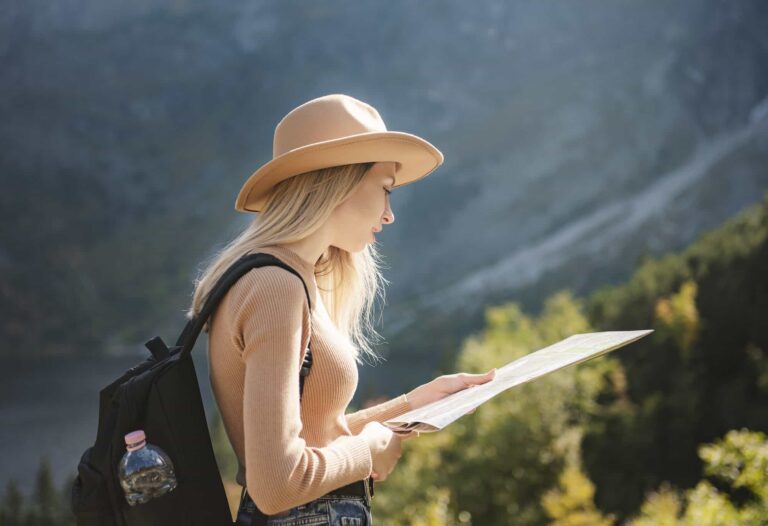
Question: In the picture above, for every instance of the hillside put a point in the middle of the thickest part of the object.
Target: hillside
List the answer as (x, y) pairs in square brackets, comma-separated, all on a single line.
[(574, 145)]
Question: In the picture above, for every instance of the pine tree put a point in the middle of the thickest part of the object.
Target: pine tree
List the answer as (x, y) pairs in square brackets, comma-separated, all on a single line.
[(46, 501), (12, 510)]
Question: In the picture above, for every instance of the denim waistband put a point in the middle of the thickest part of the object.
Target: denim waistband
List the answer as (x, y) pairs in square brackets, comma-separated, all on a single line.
[(350, 496)]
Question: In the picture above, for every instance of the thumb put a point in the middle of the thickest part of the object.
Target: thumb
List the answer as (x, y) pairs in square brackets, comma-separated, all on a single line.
[(480, 378)]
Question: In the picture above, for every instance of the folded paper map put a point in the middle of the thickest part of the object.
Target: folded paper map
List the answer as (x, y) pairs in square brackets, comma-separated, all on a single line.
[(574, 349)]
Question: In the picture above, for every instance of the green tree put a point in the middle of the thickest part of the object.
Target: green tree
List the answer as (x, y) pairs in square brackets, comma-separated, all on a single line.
[(737, 463), (47, 505), (678, 318), (635, 418), (572, 503), (661, 508), (703, 372), (415, 492), (494, 465), (13, 507)]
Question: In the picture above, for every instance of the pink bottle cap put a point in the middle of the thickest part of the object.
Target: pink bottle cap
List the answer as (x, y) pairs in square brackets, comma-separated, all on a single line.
[(135, 439)]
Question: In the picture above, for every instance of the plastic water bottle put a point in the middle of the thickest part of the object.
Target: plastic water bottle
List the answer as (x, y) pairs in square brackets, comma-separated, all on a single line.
[(145, 470)]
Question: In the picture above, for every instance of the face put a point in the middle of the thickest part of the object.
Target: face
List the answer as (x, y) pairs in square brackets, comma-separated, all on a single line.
[(365, 211)]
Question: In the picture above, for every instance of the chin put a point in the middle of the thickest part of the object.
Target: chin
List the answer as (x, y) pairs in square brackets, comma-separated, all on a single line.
[(353, 249)]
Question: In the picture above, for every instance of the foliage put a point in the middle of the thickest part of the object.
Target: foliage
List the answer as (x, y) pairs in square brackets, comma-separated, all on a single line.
[(739, 462), (661, 508), (498, 462), (572, 503), (47, 506), (678, 319), (635, 418), (702, 373)]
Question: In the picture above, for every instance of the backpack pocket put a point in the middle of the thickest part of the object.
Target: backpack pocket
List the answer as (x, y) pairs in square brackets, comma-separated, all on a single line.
[(89, 500), (169, 509)]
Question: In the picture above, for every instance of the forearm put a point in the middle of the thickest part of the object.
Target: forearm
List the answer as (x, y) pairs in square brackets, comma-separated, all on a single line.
[(378, 413)]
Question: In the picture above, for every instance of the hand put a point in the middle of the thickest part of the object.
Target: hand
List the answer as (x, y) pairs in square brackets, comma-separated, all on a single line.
[(445, 385), (385, 448), (374, 474)]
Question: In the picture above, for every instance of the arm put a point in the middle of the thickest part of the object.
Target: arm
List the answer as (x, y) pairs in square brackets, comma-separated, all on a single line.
[(378, 413), (272, 318)]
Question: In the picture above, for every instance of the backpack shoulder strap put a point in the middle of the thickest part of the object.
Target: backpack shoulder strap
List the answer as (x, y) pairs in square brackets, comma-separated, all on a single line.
[(191, 332)]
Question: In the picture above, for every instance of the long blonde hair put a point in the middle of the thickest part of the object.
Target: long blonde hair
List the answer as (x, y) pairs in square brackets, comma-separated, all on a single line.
[(348, 283)]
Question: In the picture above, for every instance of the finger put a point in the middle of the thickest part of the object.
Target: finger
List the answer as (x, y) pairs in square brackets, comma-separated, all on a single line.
[(479, 376), (475, 379)]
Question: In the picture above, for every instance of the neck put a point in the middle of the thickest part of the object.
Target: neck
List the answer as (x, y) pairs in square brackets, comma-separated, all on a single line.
[(309, 249)]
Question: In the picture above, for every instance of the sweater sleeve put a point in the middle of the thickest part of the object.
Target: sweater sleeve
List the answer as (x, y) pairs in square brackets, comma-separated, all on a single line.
[(377, 413), (281, 471)]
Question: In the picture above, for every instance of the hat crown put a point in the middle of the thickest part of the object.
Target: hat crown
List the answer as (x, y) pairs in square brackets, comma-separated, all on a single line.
[(324, 119)]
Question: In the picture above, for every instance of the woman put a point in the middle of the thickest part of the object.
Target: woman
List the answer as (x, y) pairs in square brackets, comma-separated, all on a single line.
[(320, 201)]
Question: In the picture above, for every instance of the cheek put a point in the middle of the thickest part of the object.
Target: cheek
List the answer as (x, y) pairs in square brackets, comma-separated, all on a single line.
[(367, 205), (360, 211)]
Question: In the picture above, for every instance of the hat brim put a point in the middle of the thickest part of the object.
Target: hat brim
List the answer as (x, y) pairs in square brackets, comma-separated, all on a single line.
[(416, 158)]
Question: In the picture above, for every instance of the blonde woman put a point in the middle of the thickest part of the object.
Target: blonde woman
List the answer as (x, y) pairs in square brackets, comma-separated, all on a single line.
[(319, 203)]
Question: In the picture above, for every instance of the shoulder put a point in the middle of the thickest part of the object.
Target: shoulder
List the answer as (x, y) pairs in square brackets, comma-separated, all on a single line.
[(266, 307), (270, 286)]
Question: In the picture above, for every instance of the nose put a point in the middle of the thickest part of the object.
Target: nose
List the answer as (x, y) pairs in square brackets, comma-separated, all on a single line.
[(389, 216)]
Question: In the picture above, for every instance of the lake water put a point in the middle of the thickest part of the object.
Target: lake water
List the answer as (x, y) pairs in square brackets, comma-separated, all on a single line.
[(50, 407)]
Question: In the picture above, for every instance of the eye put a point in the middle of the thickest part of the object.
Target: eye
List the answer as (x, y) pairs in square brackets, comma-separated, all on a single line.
[(388, 191)]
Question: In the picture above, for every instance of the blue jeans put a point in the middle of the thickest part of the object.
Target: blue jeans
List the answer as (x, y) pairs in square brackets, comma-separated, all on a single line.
[(328, 510)]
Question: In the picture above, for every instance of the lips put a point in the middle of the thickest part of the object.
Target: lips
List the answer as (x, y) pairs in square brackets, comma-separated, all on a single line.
[(377, 229)]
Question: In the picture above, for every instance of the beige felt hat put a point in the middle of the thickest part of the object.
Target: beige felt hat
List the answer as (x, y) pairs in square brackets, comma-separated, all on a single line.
[(334, 130)]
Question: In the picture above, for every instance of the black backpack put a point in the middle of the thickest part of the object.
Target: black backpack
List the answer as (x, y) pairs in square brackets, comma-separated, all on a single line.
[(161, 395)]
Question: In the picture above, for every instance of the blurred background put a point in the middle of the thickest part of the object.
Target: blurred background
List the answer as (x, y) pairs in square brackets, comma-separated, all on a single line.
[(606, 169)]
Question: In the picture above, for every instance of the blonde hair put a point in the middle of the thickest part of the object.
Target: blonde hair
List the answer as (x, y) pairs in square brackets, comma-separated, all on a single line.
[(348, 283)]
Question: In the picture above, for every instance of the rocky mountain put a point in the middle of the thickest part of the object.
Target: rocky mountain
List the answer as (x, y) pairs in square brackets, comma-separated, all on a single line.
[(578, 139)]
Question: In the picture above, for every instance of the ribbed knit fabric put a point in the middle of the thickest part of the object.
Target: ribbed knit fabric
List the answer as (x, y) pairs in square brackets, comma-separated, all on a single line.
[(288, 453)]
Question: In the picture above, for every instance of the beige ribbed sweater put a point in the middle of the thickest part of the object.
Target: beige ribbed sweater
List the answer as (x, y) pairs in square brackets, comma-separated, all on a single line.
[(288, 453)]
